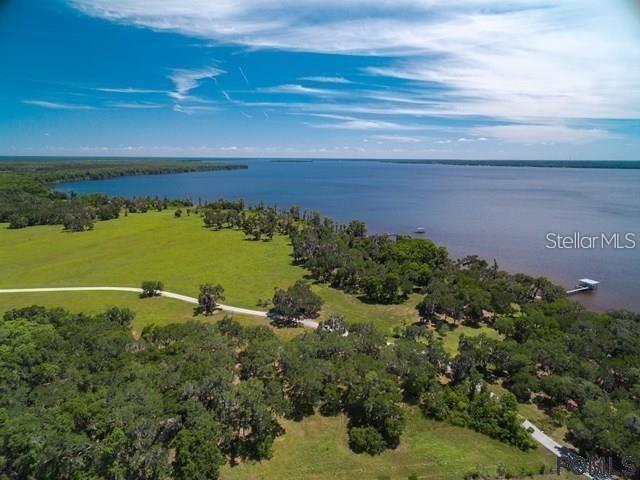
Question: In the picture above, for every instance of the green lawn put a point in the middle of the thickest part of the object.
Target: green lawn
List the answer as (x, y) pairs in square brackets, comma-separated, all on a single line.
[(384, 316), (317, 448), (179, 252), (451, 335), (152, 246)]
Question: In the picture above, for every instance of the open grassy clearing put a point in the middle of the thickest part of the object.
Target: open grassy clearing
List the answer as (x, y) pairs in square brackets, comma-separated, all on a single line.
[(180, 252), (384, 316), (451, 334), (156, 246), (317, 448)]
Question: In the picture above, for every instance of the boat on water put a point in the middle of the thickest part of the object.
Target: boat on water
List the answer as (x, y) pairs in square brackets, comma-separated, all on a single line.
[(420, 230)]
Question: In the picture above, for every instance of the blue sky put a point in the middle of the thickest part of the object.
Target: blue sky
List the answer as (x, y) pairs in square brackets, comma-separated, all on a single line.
[(351, 78)]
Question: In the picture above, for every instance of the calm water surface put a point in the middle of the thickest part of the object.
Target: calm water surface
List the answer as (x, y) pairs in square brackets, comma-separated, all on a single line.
[(496, 212)]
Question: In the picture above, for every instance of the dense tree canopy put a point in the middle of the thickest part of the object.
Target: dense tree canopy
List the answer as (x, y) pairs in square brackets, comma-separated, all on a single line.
[(81, 395)]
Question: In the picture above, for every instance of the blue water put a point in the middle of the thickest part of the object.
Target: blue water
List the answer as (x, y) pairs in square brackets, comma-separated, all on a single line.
[(496, 212)]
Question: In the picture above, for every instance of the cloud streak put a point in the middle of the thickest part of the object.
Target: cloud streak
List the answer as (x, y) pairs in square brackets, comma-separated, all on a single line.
[(57, 105), (295, 89), (136, 105), (339, 80), (397, 138), (127, 90), (542, 134), (351, 123)]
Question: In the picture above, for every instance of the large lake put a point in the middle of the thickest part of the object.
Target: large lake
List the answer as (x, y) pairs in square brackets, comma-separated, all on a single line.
[(497, 212)]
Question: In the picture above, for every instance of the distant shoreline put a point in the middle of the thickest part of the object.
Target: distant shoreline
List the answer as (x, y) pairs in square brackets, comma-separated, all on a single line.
[(582, 164), (597, 164)]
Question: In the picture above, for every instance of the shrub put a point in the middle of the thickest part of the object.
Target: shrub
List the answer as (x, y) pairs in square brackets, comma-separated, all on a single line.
[(151, 288), (366, 440), (122, 316), (18, 221)]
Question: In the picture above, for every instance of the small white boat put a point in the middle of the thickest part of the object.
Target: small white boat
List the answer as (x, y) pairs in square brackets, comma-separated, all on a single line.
[(420, 230)]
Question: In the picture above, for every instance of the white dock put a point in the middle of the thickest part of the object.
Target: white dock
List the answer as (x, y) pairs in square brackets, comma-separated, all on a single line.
[(584, 285)]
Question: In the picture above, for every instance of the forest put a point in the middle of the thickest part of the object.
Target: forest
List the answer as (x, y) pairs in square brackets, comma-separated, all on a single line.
[(184, 399)]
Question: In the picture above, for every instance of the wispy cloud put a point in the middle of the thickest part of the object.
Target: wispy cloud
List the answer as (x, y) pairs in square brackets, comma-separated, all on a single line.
[(350, 123), (136, 105), (195, 109), (339, 80), (295, 89), (397, 138), (542, 134), (128, 90), (246, 80), (57, 105), (187, 80)]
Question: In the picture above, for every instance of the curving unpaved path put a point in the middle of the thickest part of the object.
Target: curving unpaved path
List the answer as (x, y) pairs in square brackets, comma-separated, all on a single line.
[(175, 296)]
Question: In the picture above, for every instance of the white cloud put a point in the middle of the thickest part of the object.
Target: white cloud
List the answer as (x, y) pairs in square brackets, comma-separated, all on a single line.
[(398, 138), (57, 105), (244, 77), (294, 89), (127, 90), (349, 123), (195, 109), (542, 134), (187, 80), (533, 60), (340, 80), (136, 105)]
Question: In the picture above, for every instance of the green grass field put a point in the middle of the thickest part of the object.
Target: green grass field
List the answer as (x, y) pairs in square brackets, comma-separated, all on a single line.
[(179, 252), (317, 448)]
